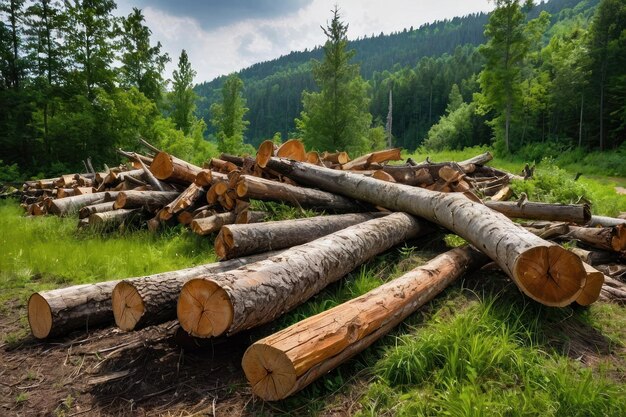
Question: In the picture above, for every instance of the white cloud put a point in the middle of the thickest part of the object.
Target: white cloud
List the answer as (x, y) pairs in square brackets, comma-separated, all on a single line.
[(241, 44)]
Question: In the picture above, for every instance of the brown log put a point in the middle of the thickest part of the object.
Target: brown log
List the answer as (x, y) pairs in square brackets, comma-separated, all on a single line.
[(238, 240), (409, 175), (289, 360), (503, 195), (211, 224), (168, 167), (593, 285), (64, 206), (544, 271), (86, 211), (185, 199), (222, 166), (292, 149), (111, 218), (595, 258), (481, 159), (152, 180), (141, 301), (248, 216), (605, 238), (152, 200), (313, 158), (575, 213), (363, 162), (259, 293), (57, 312), (606, 221), (266, 150), (336, 158), (613, 270), (262, 189), (383, 176)]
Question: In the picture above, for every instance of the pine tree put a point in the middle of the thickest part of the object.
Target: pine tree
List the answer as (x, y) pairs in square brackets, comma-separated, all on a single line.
[(336, 118), (227, 116), (183, 97)]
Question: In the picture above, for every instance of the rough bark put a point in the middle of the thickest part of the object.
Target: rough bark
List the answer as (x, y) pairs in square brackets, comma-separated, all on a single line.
[(259, 293), (575, 213), (364, 161), (185, 199), (287, 361), (606, 221), (151, 299), (544, 271), (111, 218), (64, 206), (86, 211), (152, 200), (605, 238), (168, 167), (262, 189), (238, 240), (207, 225), (595, 257), (481, 159), (57, 312)]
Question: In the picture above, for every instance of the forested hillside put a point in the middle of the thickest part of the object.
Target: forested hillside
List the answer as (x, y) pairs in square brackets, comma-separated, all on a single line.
[(420, 65)]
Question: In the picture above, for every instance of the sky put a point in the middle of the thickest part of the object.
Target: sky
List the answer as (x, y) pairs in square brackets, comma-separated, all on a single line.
[(225, 36)]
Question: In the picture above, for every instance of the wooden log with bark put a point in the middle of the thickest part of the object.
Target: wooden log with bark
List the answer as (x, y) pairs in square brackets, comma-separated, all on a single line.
[(64, 206), (259, 293), (238, 240), (289, 360), (363, 162), (606, 221), (169, 168), (542, 270), (593, 286), (151, 200), (184, 200), (141, 301), (605, 238), (211, 224), (111, 218), (575, 213), (262, 189), (86, 211)]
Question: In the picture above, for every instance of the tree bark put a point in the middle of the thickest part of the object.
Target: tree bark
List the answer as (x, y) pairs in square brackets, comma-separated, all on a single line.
[(259, 293), (575, 213), (63, 206), (238, 240), (262, 189), (595, 258), (544, 271), (605, 238), (111, 218), (184, 200), (289, 360), (168, 167), (152, 200), (151, 299), (606, 221), (207, 225), (364, 161), (86, 211)]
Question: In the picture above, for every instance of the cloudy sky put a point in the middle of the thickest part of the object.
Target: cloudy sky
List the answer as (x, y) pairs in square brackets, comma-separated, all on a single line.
[(225, 36)]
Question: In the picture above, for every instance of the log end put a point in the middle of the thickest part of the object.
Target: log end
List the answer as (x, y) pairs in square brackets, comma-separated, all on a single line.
[(592, 288), (271, 374), (39, 316), (204, 308), (264, 153), (128, 306), (162, 166), (292, 149), (223, 243), (550, 275)]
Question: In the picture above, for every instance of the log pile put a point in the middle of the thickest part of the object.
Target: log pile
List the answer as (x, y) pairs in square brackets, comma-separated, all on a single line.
[(364, 207)]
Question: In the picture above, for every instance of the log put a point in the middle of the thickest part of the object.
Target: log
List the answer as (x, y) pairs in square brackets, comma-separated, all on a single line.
[(542, 270), (292, 149), (57, 312), (86, 211), (592, 288), (419, 177), (111, 218), (336, 158), (152, 200), (266, 150), (605, 238), (595, 257), (222, 166), (207, 225), (481, 159), (141, 301), (64, 206), (152, 180), (289, 360), (168, 167), (262, 189), (185, 199), (238, 240), (364, 161), (606, 221), (575, 213), (613, 270), (258, 293)]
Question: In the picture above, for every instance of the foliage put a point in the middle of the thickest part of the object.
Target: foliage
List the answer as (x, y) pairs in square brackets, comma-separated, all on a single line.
[(9, 173), (458, 129), (337, 116), (182, 98), (228, 117)]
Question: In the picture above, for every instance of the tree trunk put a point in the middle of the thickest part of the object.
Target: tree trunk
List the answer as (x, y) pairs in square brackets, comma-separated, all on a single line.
[(63, 206), (262, 189), (544, 271), (605, 238), (595, 258), (184, 200), (238, 240), (111, 218), (606, 221), (168, 167), (575, 213), (289, 360), (151, 299), (207, 225), (363, 162), (152, 200), (259, 293), (593, 286), (481, 159)]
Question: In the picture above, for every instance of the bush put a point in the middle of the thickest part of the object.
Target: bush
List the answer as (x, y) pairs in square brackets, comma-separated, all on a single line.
[(9, 173)]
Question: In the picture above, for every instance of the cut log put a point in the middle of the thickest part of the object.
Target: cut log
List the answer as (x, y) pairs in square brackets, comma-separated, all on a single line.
[(57, 312), (336, 158), (383, 176), (605, 238), (86, 211), (262, 189), (504, 194), (168, 167), (606, 221), (575, 213), (152, 200), (415, 176), (151, 299), (211, 224), (247, 216), (185, 199), (292, 149), (266, 150), (289, 360), (313, 158), (111, 218), (481, 159), (595, 257), (64, 206), (152, 180), (363, 162), (222, 166), (614, 270), (260, 292), (544, 271), (238, 240), (593, 285)]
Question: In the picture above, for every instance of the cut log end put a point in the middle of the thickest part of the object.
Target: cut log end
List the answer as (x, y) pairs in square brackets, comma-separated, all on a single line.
[(204, 308), (224, 243), (39, 316), (162, 166), (550, 275), (269, 371), (292, 149), (128, 306), (265, 152), (593, 286)]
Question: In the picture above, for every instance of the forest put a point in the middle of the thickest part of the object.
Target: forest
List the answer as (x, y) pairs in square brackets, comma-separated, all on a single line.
[(76, 81)]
